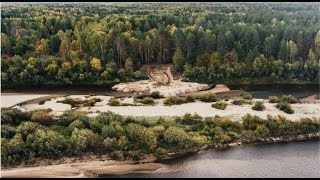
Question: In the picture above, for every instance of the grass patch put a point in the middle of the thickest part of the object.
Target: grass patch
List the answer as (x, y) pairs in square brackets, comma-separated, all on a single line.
[(285, 107), (247, 97), (241, 101), (156, 95), (289, 99), (273, 99), (206, 97), (259, 106), (220, 105), (78, 102), (146, 100), (114, 102), (173, 100)]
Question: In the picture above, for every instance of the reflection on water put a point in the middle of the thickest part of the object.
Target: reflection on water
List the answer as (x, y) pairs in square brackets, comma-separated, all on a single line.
[(296, 159), (262, 91)]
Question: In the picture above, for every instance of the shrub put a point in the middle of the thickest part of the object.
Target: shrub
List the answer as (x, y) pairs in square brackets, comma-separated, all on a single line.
[(175, 136), (13, 116), (289, 99), (190, 99), (206, 97), (118, 155), (241, 101), (238, 102), (156, 95), (220, 105), (285, 107), (77, 124), (147, 100), (259, 106), (7, 131), (71, 101), (248, 97), (160, 153), (89, 102), (136, 155), (173, 100), (42, 116), (114, 102), (65, 131), (273, 99), (78, 102), (109, 143), (261, 130), (95, 125)]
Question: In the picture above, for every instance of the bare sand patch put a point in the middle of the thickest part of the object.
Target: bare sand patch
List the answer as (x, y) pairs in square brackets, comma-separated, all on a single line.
[(81, 169), (12, 99)]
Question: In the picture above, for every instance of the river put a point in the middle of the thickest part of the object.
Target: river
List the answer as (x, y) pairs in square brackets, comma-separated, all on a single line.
[(295, 159)]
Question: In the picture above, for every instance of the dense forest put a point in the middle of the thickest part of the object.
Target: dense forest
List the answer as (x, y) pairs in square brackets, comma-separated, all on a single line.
[(103, 44)]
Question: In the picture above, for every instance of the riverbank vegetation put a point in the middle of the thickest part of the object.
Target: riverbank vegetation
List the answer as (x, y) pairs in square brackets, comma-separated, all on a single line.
[(29, 137), (104, 44), (285, 107), (75, 102), (220, 105), (259, 106)]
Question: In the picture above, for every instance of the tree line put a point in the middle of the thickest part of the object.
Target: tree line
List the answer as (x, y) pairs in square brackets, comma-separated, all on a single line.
[(108, 43)]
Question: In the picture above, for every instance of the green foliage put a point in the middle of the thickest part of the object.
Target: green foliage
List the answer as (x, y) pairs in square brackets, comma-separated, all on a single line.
[(7, 131), (248, 97), (261, 130), (259, 106), (285, 107), (49, 144), (289, 99), (77, 124), (173, 100), (75, 134), (273, 99), (147, 101), (156, 95), (190, 99), (13, 116), (41, 116), (84, 140), (114, 102), (160, 153), (140, 75), (205, 47), (175, 136), (241, 101), (206, 97), (136, 155), (238, 102), (220, 105), (79, 102)]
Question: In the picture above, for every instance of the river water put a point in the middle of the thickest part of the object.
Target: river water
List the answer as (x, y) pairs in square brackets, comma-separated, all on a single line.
[(295, 159)]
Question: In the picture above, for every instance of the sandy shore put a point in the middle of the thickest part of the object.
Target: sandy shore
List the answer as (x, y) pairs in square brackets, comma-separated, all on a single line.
[(12, 99), (201, 108), (81, 169)]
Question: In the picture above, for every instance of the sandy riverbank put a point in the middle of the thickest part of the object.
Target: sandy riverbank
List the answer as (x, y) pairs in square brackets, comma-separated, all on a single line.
[(201, 108), (81, 169), (12, 99)]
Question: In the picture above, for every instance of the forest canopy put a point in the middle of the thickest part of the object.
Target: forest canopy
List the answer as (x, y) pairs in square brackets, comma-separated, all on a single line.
[(87, 43)]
